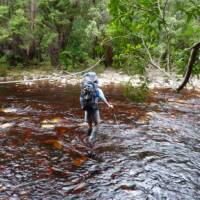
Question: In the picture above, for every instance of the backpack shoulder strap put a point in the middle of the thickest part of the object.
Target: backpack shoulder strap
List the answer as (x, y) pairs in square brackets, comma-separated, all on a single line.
[(97, 92)]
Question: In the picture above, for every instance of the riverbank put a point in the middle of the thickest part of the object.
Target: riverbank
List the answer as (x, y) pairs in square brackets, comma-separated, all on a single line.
[(106, 77)]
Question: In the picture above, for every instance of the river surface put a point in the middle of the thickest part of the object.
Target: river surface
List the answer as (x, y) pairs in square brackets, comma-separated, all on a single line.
[(145, 151)]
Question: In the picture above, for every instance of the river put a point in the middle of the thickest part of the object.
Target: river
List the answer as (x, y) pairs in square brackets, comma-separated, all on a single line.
[(147, 151)]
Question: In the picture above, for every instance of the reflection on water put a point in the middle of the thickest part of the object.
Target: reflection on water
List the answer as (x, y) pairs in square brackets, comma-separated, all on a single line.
[(154, 152)]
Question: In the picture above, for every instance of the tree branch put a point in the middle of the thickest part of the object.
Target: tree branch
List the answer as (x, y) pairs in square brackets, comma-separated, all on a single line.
[(139, 7), (166, 28), (192, 59), (152, 61)]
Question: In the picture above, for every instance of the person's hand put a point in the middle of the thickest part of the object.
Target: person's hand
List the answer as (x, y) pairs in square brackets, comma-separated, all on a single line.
[(110, 106)]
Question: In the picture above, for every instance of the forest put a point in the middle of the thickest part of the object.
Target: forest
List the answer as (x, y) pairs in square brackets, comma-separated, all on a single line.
[(93, 103), (130, 35)]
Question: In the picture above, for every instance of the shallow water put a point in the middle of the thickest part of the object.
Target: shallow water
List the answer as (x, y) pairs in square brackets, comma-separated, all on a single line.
[(153, 152)]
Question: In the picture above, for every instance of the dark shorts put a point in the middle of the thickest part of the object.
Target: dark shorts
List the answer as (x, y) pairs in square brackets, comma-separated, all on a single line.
[(92, 117)]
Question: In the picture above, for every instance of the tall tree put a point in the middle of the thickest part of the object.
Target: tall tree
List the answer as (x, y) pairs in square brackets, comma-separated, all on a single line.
[(41, 29), (58, 17)]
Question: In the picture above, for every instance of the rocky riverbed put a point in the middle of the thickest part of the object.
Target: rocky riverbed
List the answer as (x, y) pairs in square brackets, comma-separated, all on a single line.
[(149, 151), (109, 76)]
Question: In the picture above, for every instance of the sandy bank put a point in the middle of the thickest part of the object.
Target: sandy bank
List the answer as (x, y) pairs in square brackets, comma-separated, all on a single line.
[(109, 76)]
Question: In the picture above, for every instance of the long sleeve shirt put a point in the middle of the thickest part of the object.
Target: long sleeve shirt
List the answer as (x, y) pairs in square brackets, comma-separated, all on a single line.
[(101, 95)]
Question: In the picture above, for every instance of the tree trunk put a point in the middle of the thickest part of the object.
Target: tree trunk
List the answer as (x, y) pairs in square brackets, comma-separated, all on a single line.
[(108, 56), (94, 45), (15, 54), (191, 62), (33, 14), (32, 48), (54, 51)]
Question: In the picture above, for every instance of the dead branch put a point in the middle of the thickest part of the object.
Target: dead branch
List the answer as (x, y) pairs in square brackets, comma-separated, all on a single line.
[(151, 62), (192, 59)]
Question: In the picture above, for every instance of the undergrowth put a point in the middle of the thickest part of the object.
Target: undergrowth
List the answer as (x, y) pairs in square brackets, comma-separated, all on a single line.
[(136, 93)]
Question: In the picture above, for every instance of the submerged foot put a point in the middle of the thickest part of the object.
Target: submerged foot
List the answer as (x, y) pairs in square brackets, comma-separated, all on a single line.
[(92, 138)]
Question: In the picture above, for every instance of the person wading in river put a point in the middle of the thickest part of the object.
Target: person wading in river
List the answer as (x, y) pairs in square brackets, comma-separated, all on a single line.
[(89, 98)]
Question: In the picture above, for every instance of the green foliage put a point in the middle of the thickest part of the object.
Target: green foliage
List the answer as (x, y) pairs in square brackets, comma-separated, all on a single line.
[(165, 27), (64, 31), (3, 68), (71, 32), (78, 50), (130, 60), (196, 68), (73, 58), (3, 13), (18, 24), (136, 93), (14, 32)]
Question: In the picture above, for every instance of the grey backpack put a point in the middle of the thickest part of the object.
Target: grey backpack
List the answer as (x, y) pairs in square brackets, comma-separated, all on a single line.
[(89, 92)]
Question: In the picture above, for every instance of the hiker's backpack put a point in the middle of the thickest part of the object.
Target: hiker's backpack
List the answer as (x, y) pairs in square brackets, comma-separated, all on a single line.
[(91, 77), (89, 96), (89, 91)]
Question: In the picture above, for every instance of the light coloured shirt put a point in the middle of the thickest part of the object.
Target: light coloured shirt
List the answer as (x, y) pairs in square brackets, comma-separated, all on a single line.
[(99, 94)]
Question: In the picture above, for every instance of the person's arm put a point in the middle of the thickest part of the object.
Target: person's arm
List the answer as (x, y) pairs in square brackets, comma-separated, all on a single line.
[(103, 98)]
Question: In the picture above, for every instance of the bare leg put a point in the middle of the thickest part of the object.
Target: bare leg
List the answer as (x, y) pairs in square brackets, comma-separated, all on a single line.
[(89, 129), (96, 119), (92, 137)]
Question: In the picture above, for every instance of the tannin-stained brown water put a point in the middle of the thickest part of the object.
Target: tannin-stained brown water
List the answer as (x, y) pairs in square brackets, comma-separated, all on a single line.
[(152, 154)]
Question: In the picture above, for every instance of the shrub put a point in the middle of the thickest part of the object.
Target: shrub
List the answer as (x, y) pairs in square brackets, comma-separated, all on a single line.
[(136, 93), (3, 71)]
